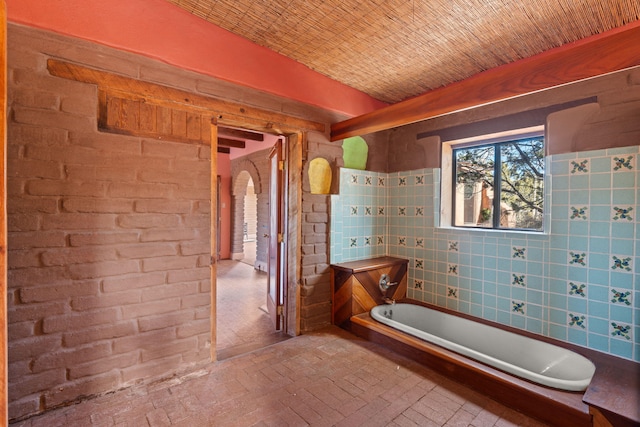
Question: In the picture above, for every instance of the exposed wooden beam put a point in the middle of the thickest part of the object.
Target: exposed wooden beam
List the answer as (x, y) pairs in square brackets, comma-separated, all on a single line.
[(225, 150), (241, 134), (234, 143), (604, 53), (175, 98)]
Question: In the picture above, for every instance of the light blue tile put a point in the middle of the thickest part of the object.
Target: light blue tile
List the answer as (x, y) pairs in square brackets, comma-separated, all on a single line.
[(600, 180), (624, 197), (621, 348), (622, 230), (599, 342), (622, 247), (560, 182), (558, 332), (559, 227), (578, 228), (560, 197), (599, 213), (624, 180), (600, 229), (578, 337), (600, 164), (577, 305), (599, 245), (599, 261), (621, 314), (599, 309), (598, 325), (579, 195), (621, 280), (599, 277), (600, 197), (577, 274)]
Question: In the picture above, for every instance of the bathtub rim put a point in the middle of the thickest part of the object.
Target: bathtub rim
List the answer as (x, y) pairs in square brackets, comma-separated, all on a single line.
[(549, 381), (614, 389)]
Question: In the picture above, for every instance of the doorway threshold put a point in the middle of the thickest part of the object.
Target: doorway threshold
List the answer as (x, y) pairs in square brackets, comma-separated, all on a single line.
[(265, 341)]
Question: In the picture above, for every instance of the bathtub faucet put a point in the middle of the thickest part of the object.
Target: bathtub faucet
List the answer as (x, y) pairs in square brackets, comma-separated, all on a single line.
[(388, 300), (385, 283)]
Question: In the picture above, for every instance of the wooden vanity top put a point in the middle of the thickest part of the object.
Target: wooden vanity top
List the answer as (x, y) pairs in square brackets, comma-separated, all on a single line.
[(369, 264)]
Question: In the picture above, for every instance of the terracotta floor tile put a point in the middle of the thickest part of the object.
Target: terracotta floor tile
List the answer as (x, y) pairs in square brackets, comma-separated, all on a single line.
[(324, 378)]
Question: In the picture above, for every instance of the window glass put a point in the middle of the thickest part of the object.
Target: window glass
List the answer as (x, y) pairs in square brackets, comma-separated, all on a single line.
[(499, 185)]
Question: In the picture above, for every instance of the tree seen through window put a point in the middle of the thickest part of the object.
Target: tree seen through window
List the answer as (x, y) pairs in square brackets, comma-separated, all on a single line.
[(500, 185)]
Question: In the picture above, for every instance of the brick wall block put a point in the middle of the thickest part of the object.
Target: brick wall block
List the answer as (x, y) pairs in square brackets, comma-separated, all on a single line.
[(40, 204), (154, 369), (176, 346), (26, 168), (78, 221), (320, 228), (133, 311), (50, 118), (167, 235), (23, 223), (321, 248), (102, 366), (31, 347), (140, 190), (103, 238), (68, 256), (64, 357), (26, 406), (36, 277), (186, 178), (146, 250), (165, 320), (103, 332), (143, 340), (196, 300), (20, 330), (169, 263), (193, 193), (314, 238), (314, 259), (36, 135), (36, 383), (196, 327), (60, 291), (71, 391), (94, 205), (35, 312), (163, 206), (133, 281), (317, 217), (112, 299), (195, 248), (169, 291), (23, 259), (103, 269), (38, 99), (79, 321), (153, 148), (140, 220)]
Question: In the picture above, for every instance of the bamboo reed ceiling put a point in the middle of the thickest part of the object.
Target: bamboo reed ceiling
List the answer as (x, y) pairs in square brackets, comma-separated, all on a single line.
[(397, 49)]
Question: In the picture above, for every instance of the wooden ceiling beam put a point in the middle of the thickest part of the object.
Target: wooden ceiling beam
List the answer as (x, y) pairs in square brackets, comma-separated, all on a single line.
[(240, 134), (597, 55), (224, 150), (233, 143)]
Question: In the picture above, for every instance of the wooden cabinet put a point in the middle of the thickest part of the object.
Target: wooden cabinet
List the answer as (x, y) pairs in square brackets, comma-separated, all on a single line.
[(355, 289)]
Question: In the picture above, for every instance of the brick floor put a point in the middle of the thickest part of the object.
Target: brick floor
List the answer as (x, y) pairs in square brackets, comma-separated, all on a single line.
[(325, 378)]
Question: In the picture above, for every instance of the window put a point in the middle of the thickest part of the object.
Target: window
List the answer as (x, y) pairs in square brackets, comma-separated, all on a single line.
[(495, 182)]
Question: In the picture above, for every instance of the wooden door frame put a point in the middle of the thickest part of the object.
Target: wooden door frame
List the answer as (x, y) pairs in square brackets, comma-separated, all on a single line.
[(4, 413), (293, 166)]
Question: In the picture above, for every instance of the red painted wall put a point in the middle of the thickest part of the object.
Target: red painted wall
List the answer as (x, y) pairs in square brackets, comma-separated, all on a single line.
[(160, 30)]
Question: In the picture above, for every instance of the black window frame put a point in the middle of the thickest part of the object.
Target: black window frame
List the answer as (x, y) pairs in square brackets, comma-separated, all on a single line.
[(497, 182)]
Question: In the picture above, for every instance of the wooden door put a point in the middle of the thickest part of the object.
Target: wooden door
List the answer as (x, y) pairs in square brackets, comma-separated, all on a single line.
[(276, 265)]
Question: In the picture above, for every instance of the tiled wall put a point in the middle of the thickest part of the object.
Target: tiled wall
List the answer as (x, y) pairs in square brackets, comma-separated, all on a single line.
[(577, 282)]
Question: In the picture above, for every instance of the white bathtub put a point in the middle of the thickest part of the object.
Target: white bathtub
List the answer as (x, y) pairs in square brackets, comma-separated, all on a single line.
[(536, 361)]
